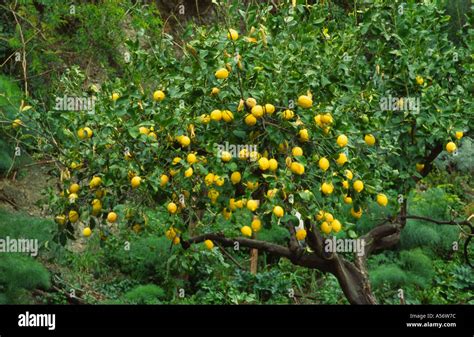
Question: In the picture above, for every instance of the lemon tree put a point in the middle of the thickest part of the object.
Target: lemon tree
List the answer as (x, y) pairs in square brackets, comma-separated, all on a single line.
[(291, 121)]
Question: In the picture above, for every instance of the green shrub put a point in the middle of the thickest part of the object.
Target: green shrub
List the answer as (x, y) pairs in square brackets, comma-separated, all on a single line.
[(390, 274), (147, 259), (145, 294), (17, 225), (18, 274)]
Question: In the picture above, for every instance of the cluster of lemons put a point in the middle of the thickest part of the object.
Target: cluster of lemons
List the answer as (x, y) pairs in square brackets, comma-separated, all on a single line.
[(96, 205)]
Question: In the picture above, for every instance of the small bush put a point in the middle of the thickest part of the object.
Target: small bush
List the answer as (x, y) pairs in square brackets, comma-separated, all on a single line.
[(17, 275), (145, 294)]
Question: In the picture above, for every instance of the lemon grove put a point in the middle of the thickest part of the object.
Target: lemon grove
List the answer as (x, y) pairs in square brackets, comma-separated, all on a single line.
[(306, 96)]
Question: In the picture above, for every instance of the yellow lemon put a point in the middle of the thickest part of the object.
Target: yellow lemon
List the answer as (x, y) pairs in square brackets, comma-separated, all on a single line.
[(227, 116), (112, 217), (263, 164), (219, 180), (95, 182), (209, 179), (327, 188), (272, 192), (16, 123), (257, 111), (251, 185), (185, 141), (143, 130), (358, 185), (96, 206), (254, 155), (347, 200), (251, 102), (297, 151), (158, 96), (348, 174), (451, 147), (191, 158), (420, 167), (189, 172), (73, 216), (232, 204), (303, 135), (209, 244), (459, 134), (213, 195), (326, 228), (318, 120), (173, 172), (226, 156), (256, 224), (419, 80), (336, 226), (246, 231), (226, 213), (135, 182), (300, 234), (235, 177), (288, 114), (88, 132), (250, 120), (356, 214), (342, 140), (320, 215), (232, 34), (60, 219), (204, 119), (341, 159), (164, 179), (369, 139), (87, 232), (345, 184), (305, 101), (272, 164), (269, 109), (278, 211), (222, 74), (252, 205), (382, 199), (323, 164), (74, 188), (170, 234), (215, 91), (176, 240), (327, 118), (297, 168), (328, 217), (172, 208)]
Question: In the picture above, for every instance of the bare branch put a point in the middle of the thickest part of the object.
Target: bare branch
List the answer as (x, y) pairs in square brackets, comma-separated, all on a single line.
[(439, 222)]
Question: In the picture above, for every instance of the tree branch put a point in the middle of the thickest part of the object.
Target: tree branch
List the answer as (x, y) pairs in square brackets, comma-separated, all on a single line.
[(439, 222), (303, 258)]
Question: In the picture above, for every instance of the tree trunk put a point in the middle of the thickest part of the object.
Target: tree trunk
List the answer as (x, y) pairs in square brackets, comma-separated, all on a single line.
[(253, 261), (354, 282)]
